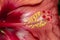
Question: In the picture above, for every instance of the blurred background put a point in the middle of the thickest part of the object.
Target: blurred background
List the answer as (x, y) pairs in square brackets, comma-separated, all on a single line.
[(59, 7)]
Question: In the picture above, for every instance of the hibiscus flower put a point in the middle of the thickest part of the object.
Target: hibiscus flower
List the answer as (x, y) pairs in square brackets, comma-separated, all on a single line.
[(29, 20)]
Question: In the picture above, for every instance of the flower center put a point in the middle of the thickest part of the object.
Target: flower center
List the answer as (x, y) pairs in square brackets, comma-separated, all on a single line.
[(36, 20)]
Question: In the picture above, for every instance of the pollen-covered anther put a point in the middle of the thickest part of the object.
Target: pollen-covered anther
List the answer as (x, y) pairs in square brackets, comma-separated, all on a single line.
[(42, 23), (33, 20), (30, 20), (34, 17), (38, 25), (34, 25)]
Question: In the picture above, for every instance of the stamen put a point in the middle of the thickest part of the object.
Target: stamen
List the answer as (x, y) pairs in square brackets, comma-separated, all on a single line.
[(34, 20)]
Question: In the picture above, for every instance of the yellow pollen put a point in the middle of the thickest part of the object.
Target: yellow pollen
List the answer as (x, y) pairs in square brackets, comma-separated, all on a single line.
[(42, 23), (34, 18)]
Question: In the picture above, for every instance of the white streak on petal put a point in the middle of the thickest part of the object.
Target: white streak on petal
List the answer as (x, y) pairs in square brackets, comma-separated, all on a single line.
[(21, 34)]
